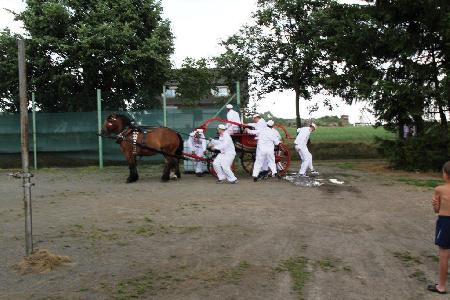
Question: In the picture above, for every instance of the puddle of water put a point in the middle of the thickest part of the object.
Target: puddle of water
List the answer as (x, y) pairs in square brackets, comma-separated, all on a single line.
[(303, 181), (311, 181), (336, 181)]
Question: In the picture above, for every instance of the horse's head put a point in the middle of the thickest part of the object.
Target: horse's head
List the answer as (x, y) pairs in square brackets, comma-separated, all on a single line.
[(115, 123)]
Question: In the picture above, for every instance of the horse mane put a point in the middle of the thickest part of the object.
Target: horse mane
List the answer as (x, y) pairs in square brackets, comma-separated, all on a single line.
[(125, 119)]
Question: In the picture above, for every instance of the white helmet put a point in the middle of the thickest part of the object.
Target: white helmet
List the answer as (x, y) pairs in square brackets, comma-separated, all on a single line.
[(270, 123), (229, 106), (313, 125), (221, 126)]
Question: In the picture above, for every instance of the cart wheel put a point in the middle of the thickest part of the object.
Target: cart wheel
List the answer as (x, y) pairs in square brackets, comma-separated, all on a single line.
[(213, 172), (282, 159), (247, 161)]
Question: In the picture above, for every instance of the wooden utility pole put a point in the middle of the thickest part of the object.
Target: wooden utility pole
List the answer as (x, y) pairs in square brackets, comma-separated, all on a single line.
[(26, 176)]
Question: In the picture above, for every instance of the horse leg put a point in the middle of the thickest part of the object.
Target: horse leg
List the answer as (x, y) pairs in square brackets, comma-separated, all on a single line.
[(166, 173), (132, 165), (177, 168)]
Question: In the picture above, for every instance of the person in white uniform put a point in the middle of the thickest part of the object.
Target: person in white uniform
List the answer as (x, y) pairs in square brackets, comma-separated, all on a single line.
[(233, 116), (301, 145), (267, 140), (222, 163), (265, 167), (197, 145), (258, 124)]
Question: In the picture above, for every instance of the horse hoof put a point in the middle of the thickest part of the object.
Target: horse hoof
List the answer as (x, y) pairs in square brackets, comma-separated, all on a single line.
[(131, 180)]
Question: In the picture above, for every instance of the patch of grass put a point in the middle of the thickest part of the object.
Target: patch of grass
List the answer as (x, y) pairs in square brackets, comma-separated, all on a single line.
[(407, 258), (429, 183), (363, 134), (236, 273), (328, 264), (135, 288), (419, 275), (189, 229), (297, 268), (145, 230), (346, 166)]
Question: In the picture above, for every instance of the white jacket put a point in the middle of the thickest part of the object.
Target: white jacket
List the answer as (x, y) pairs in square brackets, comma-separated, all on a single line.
[(258, 126), (267, 139), (225, 144), (303, 137), (233, 116), (197, 143)]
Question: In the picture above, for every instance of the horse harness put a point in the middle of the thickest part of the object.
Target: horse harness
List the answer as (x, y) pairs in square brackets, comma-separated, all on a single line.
[(135, 133)]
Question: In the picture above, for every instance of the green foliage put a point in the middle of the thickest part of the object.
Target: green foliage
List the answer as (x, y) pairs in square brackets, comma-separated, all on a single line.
[(195, 80), (9, 77), (76, 46), (283, 48), (426, 152)]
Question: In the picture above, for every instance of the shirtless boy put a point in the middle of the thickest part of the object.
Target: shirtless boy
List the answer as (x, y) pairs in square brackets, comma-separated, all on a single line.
[(441, 206)]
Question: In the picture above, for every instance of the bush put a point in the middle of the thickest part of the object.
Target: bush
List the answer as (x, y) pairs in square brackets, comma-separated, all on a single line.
[(429, 151)]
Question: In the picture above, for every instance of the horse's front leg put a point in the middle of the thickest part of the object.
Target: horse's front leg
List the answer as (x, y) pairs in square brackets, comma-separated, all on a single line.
[(132, 165)]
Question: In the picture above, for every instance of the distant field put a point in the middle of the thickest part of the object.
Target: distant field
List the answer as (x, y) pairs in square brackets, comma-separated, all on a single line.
[(364, 134)]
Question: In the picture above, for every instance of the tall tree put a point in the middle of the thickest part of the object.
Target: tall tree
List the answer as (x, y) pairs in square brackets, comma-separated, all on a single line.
[(75, 46), (284, 47)]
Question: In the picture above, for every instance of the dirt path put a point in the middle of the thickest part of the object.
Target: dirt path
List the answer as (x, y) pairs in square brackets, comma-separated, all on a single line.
[(371, 238)]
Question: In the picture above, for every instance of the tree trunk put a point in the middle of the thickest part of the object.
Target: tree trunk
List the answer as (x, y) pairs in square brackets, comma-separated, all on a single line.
[(297, 108), (438, 94)]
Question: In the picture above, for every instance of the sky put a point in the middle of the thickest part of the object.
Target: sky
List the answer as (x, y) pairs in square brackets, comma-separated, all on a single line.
[(199, 26)]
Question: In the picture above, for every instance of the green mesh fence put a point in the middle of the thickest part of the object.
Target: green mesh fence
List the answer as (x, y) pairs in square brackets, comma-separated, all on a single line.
[(73, 135)]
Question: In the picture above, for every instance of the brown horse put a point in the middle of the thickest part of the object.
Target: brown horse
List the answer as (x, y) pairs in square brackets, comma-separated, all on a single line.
[(135, 141)]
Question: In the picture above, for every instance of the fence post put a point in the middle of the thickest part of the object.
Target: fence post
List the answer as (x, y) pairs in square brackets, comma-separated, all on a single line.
[(33, 106), (164, 106), (99, 120), (26, 176), (238, 98)]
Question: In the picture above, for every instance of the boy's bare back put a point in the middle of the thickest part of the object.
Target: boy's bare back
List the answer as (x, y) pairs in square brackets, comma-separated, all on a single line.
[(442, 196)]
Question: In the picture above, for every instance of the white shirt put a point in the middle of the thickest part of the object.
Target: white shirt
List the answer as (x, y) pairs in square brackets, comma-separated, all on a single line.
[(277, 133), (195, 143), (233, 116), (261, 124), (267, 139), (225, 144), (303, 136)]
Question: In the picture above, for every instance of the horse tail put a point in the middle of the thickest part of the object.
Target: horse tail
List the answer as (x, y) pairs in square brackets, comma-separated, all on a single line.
[(180, 145)]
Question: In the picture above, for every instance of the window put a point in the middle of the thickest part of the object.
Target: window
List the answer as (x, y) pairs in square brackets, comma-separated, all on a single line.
[(221, 91), (171, 93)]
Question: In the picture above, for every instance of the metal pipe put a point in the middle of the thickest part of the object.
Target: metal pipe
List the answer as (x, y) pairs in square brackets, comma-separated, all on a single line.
[(238, 99), (164, 106), (99, 121), (33, 105), (26, 176)]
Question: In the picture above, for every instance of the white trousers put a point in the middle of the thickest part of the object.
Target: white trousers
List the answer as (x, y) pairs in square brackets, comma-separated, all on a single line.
[(306, 158), (222, 166), (264, 157), (198, 164)]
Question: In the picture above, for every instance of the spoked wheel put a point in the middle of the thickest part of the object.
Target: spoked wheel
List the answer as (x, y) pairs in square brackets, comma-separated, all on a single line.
[(247, 161), (282, 159)]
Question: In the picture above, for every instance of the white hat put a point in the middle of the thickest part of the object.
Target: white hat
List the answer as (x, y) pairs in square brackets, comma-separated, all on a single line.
[(256, 116), (200, 130), (313, 125), (298, 130), (192, 134), (229, 106), (270, 123), (221, 126)]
